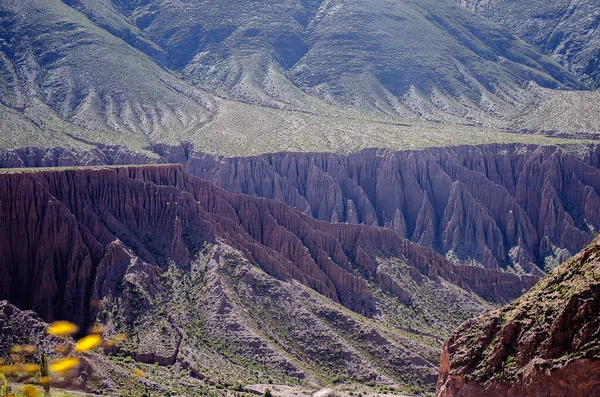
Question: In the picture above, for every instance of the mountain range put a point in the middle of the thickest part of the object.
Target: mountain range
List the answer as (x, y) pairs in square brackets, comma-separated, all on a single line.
[(141, 73), (302, 195)]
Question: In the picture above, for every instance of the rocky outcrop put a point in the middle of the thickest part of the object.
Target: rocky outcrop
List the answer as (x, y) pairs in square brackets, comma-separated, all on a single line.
[(496, 205), (70, 235), (545, 343)]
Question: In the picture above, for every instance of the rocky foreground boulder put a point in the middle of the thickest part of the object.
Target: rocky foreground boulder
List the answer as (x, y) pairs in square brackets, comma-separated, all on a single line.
[(546, 343)]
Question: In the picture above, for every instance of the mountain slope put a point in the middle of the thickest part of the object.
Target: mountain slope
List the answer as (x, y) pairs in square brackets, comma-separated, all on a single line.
[(60, 71), (565, 30), (545, 343), (79, 72), (196, 275), (344, 52)]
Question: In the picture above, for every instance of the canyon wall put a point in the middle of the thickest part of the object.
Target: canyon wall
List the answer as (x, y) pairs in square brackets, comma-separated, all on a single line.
[(493, 207), (499, 205), (69, 235)]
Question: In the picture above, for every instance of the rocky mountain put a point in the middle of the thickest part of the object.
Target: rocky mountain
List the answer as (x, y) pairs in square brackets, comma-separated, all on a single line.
[(499, 206), (196, 275), (545, 343), (567, 31), (296, 75), (519, 207)]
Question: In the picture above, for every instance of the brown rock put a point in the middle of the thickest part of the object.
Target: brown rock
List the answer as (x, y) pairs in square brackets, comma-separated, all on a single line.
[(70, 236), (546, 343)]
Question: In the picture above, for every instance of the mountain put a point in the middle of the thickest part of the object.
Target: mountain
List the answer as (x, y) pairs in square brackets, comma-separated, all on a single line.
[(567, 31), (298, 75), (261, 52), (226, 285), (497, 206), (520, 208), (545, 343)]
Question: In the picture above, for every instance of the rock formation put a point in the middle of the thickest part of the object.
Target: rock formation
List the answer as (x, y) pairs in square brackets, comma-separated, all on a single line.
[(195, 274), (526, 207), (497, 205), (546, 343), (63, 229)]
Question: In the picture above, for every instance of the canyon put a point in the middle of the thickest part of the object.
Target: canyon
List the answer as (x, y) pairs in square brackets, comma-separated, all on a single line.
[(520, 207), (138, 247), (306, 193), (411, 242)]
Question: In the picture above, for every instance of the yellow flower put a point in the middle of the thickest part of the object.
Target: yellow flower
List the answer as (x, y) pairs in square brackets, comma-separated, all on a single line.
[(31, 368), (28, 349), (8, 369), (16, 349), (62, 328), (45, 380), (87, 343), (64, 364), (30, 390)]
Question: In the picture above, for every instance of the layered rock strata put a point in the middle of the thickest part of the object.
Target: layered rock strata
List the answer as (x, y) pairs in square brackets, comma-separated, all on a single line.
[(69, 235)]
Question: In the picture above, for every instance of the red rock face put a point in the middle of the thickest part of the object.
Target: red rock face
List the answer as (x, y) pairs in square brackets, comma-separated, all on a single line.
[(69, 236), (546, 343), (577, 378), (498, 205)]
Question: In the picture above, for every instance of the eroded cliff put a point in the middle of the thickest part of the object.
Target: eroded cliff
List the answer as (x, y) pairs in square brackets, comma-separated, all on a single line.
[(184, 266), (527, 207), (519, 206)]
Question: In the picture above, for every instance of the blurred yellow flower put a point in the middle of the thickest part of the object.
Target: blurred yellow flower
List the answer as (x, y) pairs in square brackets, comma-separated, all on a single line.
[(16, 349), (45, 380), (30, 390), (64, 364), (87, 343), (62, 328), (31, 368), (28, 349), (97, 329)]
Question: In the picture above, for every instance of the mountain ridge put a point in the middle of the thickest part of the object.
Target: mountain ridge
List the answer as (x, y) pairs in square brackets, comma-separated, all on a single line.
[(108, 72)]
